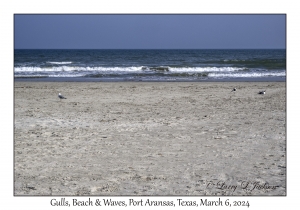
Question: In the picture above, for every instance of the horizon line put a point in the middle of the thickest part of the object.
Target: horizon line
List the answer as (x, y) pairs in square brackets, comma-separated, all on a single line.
[(149, 48)]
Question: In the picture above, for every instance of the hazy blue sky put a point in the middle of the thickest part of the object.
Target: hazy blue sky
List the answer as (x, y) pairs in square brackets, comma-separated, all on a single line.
[(149, 31)]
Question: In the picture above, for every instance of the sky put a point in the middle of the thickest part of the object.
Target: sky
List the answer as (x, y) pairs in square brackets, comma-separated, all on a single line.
[(190, 31)]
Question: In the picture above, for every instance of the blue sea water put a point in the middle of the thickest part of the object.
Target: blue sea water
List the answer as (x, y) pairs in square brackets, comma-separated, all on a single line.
[(151, 65)]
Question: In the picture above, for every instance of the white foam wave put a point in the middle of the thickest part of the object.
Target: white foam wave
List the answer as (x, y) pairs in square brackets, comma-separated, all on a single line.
[(215, 72), (125, 69), (68, 75), (206, 69), (40, 75), (60, 63), (253, 74), (46, 69), (76, 68)]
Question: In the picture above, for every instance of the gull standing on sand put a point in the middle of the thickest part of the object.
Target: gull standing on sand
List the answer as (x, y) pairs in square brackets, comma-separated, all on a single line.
[(61, 97)]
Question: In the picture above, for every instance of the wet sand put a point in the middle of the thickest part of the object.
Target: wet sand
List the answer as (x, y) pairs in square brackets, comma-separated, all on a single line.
[(136, 138)]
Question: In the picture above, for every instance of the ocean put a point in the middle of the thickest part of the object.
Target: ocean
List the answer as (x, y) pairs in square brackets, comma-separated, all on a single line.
[(150, 65)]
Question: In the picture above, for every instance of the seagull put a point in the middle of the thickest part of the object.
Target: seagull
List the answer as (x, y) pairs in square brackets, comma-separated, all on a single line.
[(61, 97), (262, 92), (234, 89)]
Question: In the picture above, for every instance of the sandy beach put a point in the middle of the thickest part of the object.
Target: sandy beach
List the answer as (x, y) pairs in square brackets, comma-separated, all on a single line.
[(149, 138)]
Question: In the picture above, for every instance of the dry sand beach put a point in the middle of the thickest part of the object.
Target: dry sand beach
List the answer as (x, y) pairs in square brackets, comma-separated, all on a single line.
[(136, 138)]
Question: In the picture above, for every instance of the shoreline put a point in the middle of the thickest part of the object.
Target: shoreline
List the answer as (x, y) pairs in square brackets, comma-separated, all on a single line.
[(90, 79), (149, 138)]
